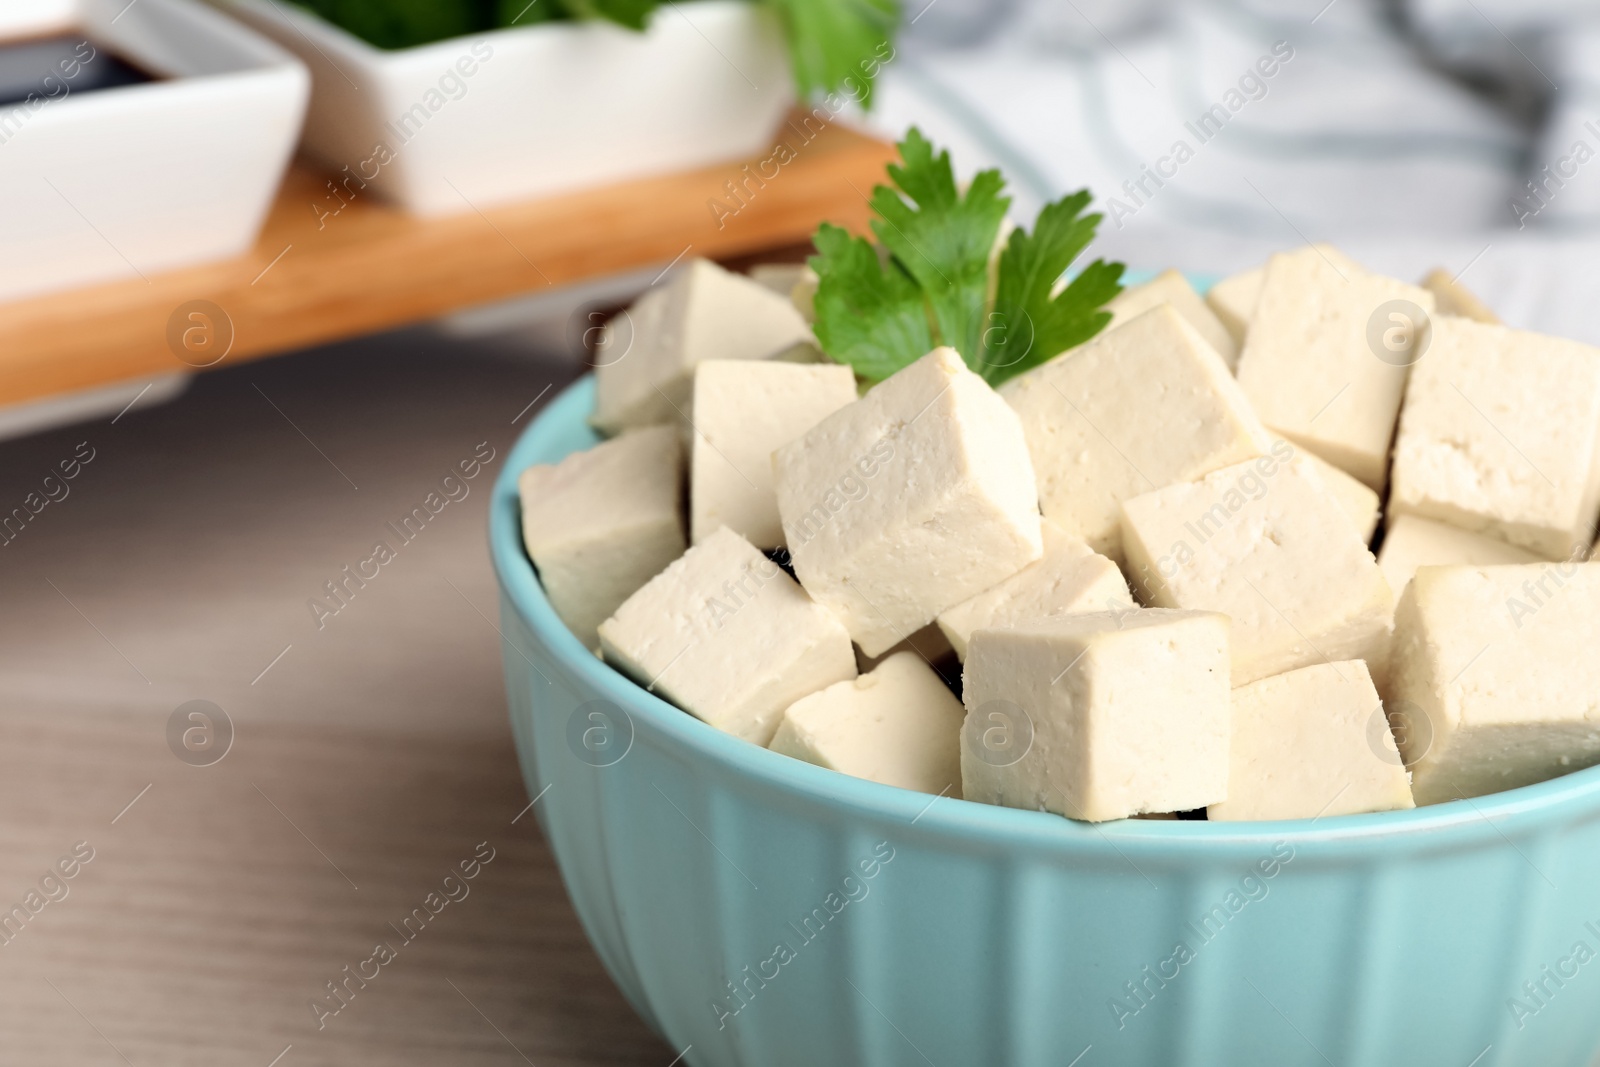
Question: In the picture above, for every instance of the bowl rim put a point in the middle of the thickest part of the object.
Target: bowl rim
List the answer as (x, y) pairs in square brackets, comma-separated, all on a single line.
[(1571, 797)]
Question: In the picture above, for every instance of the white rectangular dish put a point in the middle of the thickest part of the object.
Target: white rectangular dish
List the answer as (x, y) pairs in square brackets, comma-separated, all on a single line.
[(138, 179), (518, 113)]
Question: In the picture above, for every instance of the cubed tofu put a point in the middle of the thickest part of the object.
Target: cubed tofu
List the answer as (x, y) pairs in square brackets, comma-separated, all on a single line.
[(804, 295), (1410, 542), (1312, 742), (743, 411), (1266, 544), (1326, 357), (1139, 407), (1494, 677), (601, 523), (1501, 435), (1171, 287), (725, 635), (909, 501), (1233, 300), (779, 277), (898, 725), (1098, 716), (1357, 500), (644, 362), (930, 643), (1071, 577), (1452, 298), (795, 281)]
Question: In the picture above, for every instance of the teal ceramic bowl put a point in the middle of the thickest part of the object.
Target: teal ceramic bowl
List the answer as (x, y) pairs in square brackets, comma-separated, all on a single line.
[(762, 912)]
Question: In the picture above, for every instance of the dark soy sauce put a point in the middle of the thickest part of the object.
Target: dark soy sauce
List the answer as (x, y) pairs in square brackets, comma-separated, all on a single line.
[(49, 68)]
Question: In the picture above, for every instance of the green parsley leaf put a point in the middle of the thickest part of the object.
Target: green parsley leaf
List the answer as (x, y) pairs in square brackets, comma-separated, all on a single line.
[(837, 44), (868, 313), (1029, 326), (402, 23), (527, 12), (939, 281), (942, 238), (634, 14)]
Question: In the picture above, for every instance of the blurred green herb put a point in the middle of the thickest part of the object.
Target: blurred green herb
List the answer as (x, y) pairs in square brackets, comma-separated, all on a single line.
[(833, 44), (881, 312), (401, 23)]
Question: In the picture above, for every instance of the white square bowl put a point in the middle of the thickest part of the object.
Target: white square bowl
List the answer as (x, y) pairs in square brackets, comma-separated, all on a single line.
[(519, 113), (130, 181)]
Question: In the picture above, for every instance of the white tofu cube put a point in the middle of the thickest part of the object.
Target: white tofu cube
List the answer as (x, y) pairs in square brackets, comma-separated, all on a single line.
[(1410, 542), (601, 523), (1235, 297), (1452, 298), (1494, 678), (644, 363), (1138, 408), (899, 725), (1501, 435), (725, 635), (779, 277), (1357, 500), (743, 411), (1171, 287), (1233, 300), (1266, 544), (1309, 743), (1326, 358), (929, 643), (1098, 716), (909, 500), (794, 281), (1070, 578)]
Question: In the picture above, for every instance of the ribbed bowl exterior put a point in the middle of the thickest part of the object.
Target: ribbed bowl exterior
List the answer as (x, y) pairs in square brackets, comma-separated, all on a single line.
[(761, 912)]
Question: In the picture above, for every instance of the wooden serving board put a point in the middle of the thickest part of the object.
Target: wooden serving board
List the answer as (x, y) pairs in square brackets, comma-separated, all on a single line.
[(316, 276)]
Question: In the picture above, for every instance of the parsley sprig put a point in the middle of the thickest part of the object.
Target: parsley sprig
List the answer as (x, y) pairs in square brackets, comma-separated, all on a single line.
[(834, 45), (837, 45), (932, 286)]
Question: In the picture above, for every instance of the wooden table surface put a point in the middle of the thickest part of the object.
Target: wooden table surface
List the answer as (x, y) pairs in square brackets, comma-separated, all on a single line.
[(370, 757), (316, 276)]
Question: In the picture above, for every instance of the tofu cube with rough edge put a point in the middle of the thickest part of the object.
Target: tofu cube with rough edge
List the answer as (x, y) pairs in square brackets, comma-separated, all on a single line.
[(1266, 544), (1235, 297), (725, 635), (1452, 298), (797, 282), (1410, 542), (1071, 577), (1501, 435), (1327, 354), (645, 359), (899, 725), (1171, 287), (909, 500), (1098, 716), (601, 523), (1140, 407), (1312, 742), (1233, 300), (1357, 500), (1494, 679), (929, 643), (744, 410)]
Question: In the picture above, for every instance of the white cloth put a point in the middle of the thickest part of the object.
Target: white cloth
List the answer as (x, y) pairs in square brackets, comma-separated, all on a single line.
[(1405, 137)]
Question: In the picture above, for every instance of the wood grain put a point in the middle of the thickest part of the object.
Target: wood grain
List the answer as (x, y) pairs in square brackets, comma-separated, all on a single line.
[(315, 277), (376, 749), (218, 906)]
